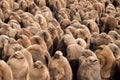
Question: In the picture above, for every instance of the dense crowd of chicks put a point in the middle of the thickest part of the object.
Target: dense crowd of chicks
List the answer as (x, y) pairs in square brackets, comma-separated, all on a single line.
[(59, 39)]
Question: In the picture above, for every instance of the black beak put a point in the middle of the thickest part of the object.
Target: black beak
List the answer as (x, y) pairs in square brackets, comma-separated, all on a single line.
[(95, 61)]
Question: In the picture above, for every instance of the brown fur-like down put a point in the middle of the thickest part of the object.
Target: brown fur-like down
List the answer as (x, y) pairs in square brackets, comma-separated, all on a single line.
[(106, 59), (81, 42), (70, 29), (11, 3), (40, 3), (14, 24), (98, 7), (14, 16), (114, 35), (28, 57), (115, 49), (117, 42), (110, 24), (62, 14), (84, 33), (75, 24), (25, 32), (99, 39), (110, 9), (115, 72), (55, 36), (65, 23), (45, 35), (10, 48), (32, 8), (26, 20), (89, 69), (92, 25), (1, 15), (86, 53), (74, 51), (57, 5), (117, 29), (59, 67), (23, 40), (39, 72), (19, 66), (64, 42), (3, 41), (4, 5), (41, 20), (15, 6), (23, 5), (5, 29), (46, 12), (5, 71), (39, 53), (37, 40)]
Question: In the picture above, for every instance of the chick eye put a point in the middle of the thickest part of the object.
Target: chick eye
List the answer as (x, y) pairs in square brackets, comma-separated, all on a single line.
[(90, 60)]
